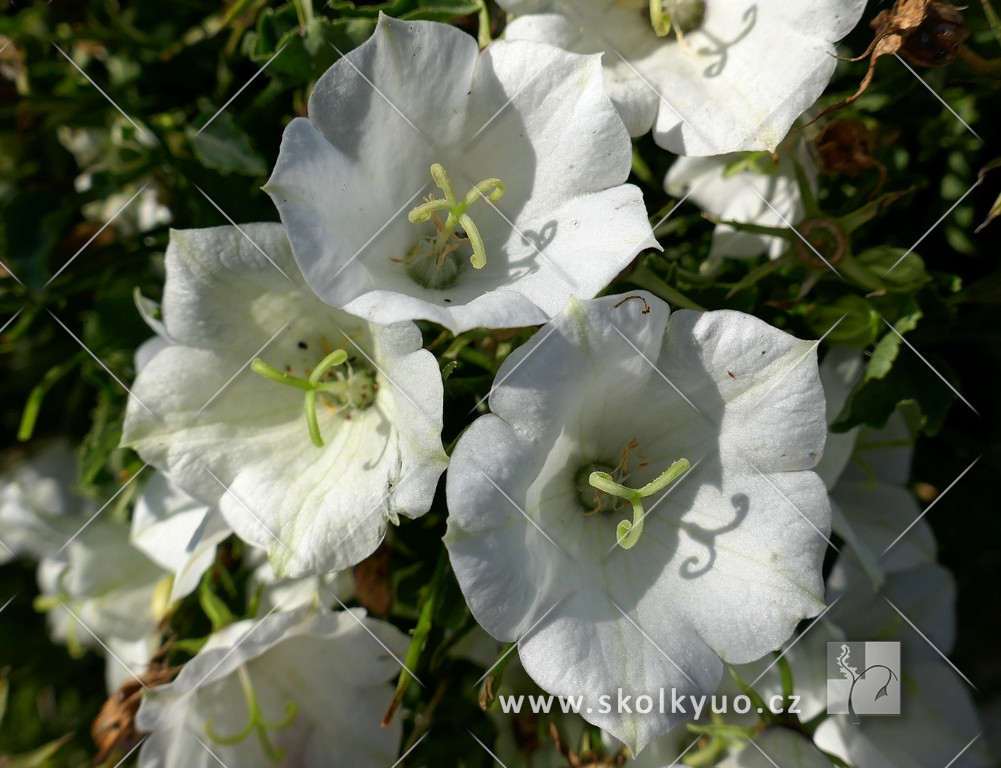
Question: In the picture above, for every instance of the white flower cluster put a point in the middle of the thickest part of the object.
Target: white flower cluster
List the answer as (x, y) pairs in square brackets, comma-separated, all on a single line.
[(637, 510)]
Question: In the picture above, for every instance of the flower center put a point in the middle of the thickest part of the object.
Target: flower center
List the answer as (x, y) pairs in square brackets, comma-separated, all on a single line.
[(256, 722), (433, 262), (590, 497), (593, 499), (604, 491), (339, 389), (683, 16)]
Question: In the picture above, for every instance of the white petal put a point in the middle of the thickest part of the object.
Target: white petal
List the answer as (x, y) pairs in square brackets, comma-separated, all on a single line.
[(284, 654), (738, 82), (873, 517), (840, 372), (37, 509), (765, 193), (937, 721), (925, 595), (108, 586), (177, 532)]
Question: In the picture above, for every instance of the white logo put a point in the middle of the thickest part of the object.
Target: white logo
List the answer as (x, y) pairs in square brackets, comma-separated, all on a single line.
[(863, 679)]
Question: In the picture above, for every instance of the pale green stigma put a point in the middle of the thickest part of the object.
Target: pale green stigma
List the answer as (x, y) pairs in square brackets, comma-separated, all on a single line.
[(660, 21), (628, 533), (256, 722), (446, 241), (347, 389), (683, 16)]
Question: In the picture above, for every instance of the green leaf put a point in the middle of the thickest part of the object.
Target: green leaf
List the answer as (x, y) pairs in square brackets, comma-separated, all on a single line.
[(857, 321), (303, 57), (34, 405), (103, 438), (424, 622), (4, 690), (909, 381), (898, 269), (993, 19), (348, 8), (214, 607), (992, 214), (224, 147), (888, 347), (986, 290), (37, 758), (190, 645), (995, 210), (442, 10), (32, 223)]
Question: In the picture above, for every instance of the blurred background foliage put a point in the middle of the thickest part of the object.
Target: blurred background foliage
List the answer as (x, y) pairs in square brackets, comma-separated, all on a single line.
[(181, 125)]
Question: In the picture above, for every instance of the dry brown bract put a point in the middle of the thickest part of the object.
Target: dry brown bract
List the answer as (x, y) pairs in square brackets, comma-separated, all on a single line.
[(848, 147), (923, 32), (114, 728), (374, 583)]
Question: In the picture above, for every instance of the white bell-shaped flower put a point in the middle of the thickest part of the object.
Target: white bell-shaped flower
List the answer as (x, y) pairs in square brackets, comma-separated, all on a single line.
[(516, 152), (639, 505), (308, 428)]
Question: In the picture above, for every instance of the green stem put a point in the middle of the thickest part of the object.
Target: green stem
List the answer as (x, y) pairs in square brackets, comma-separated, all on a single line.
[(786, 673), (492, 681), (992, 19), (646, 278), (34, 404), (420, 634), (810, 204), (304, 10), (758, 229), (483, 36), (756, 701), (642, 171)]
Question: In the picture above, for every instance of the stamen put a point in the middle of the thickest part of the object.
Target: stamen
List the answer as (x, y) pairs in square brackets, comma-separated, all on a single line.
[(627, 533)]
